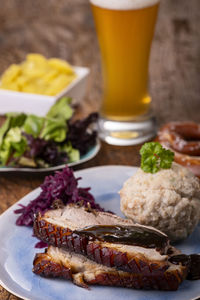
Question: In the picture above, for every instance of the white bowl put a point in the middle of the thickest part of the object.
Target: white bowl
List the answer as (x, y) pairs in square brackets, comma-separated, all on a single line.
[(11, 101)]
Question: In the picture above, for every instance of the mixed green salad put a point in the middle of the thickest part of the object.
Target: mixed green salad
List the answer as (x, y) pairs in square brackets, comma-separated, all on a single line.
[(42, 142)]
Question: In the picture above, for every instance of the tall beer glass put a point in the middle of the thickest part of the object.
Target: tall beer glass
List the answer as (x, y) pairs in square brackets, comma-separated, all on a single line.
[(125, 30)]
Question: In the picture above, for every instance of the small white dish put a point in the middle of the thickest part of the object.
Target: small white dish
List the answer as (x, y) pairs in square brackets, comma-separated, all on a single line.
[(11, 101), (17, 249)]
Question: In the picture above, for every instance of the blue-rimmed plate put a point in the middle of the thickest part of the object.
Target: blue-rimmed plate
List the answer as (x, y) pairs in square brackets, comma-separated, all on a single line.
[(88, 156), (17, 250)]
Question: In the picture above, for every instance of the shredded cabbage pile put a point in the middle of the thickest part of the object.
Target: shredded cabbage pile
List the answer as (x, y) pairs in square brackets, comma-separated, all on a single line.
[(62, 186)]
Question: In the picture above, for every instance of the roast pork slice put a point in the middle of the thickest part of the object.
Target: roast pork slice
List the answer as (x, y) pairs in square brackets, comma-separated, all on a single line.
[(56, 262), (64, 228)]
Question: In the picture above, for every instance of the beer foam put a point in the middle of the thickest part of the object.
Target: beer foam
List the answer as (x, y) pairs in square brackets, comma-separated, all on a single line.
[(124, 4)]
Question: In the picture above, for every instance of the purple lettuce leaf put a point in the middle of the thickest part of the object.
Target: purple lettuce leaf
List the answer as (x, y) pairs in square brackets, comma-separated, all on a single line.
[(80, 137), (39, 148)]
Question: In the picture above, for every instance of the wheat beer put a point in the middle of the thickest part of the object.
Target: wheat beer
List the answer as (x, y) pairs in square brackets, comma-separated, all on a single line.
[(125, 30)]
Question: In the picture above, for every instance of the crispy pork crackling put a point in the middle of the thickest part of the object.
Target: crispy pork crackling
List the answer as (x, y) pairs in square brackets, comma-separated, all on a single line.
[(59, 263), (92, 235)]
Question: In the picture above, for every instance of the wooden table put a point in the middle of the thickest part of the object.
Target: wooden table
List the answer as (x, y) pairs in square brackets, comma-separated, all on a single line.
[(65, 29)]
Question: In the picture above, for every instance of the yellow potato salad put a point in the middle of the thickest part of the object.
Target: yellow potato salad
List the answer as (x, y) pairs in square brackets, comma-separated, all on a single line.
[(38, 75)]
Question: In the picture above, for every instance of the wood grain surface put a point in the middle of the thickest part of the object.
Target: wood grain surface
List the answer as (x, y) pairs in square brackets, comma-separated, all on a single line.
[(65, 29)]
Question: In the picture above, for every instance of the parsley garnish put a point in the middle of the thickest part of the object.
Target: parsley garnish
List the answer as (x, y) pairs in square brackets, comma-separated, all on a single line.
[(154, 157)]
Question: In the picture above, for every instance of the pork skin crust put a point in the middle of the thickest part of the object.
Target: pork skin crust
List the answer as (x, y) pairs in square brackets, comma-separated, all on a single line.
[(47, 266), (155, 271)]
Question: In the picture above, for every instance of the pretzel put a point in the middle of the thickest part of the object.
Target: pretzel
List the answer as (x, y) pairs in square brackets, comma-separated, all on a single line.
[(183, 138)]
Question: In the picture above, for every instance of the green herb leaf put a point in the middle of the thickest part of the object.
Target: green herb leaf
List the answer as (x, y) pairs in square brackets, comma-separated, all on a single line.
[(154, 157)]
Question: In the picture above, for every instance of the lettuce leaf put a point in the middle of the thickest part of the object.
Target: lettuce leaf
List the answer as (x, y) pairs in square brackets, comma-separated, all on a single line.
[(61, 109), (16, 119), (33, 125), (4, 128), (13, 120), (54, 129), (14, 143), (53, 126), (73, 154)]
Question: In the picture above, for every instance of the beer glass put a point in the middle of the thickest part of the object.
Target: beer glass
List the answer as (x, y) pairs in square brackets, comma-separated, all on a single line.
[(125, 30)]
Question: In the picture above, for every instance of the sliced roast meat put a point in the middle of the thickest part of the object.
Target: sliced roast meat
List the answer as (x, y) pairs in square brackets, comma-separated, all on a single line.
[(64, 228), (56, 262)]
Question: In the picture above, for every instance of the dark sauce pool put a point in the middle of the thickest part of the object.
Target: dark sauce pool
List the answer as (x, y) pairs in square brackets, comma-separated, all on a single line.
[(191, 261), (127, 235)]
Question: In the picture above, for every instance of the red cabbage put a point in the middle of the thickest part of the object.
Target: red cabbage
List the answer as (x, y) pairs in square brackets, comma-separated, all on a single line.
[(63, 186)]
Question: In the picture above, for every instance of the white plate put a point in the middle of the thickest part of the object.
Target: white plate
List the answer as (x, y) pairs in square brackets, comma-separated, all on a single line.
[(11, 101), (17, 250), (88, 156)]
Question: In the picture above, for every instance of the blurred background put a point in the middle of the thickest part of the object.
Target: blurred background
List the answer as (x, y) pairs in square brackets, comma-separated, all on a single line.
[(65, 29)]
